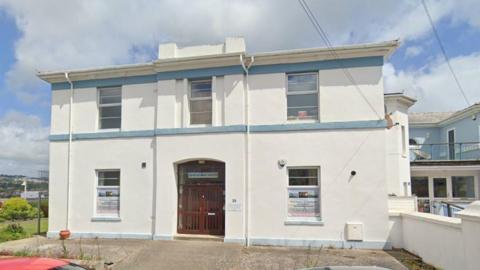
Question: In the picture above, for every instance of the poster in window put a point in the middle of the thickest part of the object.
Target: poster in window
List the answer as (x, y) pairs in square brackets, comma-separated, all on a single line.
[(108, 200), (303, 202)]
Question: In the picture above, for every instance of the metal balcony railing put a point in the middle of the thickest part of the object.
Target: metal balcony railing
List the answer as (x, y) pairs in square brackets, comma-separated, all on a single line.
[(445, 151)]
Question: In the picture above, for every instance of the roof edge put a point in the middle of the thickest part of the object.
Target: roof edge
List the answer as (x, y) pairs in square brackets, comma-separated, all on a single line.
[(384, 49)]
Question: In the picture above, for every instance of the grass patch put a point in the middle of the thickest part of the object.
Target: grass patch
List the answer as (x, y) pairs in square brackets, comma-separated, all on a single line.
[(29, 227)]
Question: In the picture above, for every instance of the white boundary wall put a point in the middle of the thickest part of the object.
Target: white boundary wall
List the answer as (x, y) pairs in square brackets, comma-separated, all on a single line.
[(447, 243)]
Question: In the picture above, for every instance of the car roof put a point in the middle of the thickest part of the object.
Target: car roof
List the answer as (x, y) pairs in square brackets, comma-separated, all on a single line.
[(31, 263)]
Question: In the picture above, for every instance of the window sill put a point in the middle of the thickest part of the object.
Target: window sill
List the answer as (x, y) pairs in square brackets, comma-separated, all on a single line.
[(305, 222), (303, 121), (109, 130), (106, 219)]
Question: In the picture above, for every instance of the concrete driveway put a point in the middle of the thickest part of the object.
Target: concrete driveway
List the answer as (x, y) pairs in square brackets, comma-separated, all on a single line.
[(197, 254)]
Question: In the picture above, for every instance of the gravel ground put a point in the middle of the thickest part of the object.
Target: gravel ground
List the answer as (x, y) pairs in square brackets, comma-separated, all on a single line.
[(196, 254)]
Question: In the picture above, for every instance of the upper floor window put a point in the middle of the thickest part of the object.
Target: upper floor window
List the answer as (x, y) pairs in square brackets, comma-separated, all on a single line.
[(110, 107), (201, 102), (302, 96)]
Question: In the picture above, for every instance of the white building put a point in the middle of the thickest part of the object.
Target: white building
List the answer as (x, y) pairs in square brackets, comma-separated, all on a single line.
[(278, 148)]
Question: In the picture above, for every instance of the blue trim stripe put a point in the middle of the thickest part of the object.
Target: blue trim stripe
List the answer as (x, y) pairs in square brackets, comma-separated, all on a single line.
[(199, 130), (199, 73), (228, 70), (318, 65), (106, 82), (368, 124), (319, 126)]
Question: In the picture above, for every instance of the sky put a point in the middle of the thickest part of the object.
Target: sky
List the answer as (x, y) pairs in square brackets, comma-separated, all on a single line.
[(57, 34)]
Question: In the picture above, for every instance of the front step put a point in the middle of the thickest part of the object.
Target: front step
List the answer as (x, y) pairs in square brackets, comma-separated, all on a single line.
[(199, 237)]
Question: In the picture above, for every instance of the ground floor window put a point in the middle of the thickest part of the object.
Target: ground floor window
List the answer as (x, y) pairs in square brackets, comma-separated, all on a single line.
[(420, 186), (108, 193), (463, 187), (440, 187), (303, 193)]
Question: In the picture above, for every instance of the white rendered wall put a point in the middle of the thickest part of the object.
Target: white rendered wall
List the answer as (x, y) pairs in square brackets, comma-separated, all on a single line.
[(89, 156), (398, 162), (361, 198), (228, 148), (339, 101), (444, 242)]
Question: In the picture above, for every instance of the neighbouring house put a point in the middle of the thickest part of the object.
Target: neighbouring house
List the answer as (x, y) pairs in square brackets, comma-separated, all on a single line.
[(445, 159), (278, 148)]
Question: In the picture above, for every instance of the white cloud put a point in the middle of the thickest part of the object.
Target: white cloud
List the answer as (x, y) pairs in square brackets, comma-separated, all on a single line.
[(434, 86), (413, 51), (58, 34), (23, 144)]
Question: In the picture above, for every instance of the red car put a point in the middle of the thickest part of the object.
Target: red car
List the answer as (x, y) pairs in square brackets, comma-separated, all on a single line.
[(37, 264)]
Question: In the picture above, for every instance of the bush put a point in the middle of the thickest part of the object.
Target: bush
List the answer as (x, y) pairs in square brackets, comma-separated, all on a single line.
[(44, 208), (12, 232), (16, 209)]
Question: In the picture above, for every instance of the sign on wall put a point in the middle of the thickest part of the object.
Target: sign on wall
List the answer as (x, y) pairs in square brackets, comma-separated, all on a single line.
[(303, 202), (200, 175), (108, 200)]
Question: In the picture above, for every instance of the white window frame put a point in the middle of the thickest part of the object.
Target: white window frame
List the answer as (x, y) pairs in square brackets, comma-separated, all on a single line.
[(190, 99), (97, 187), (99, 106), (317, 91), (454, 143), (304, 220)]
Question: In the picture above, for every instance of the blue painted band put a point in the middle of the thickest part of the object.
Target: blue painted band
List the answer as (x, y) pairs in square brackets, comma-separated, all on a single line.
[(199, 73), (103, 135), (320, 243), (199, 130), (368, 124), (319, 126), (110, 235), (318, 65), (228, 70), (106, 82), (166, 237)]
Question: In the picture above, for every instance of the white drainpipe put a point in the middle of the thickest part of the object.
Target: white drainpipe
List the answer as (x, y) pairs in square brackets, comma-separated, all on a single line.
[(247, 149), (69, 164)]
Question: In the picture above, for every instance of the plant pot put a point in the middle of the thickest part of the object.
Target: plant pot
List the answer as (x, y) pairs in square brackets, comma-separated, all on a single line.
[(64, 234)]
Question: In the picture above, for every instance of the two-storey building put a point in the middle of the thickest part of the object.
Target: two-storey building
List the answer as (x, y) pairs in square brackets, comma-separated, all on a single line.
[(445, 159), (278, 148)]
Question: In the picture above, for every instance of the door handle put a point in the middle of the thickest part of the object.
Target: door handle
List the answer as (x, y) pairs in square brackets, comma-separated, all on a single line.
[(211, 214)]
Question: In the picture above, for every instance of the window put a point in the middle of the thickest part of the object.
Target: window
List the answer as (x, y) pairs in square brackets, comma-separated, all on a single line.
[(439, 187), (108, 193), (303, 194), (463, 187), (302, 96), (404, 141), (201, 102), (110, 107), (420, 186)]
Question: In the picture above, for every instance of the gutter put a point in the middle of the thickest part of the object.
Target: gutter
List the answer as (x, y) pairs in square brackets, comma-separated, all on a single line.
[(247, 148), (69, 162)]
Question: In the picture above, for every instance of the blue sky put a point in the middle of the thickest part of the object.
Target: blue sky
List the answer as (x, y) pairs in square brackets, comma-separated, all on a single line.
[(35, 36)]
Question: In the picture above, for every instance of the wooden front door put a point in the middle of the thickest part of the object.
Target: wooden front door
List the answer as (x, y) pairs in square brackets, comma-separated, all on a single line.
[(201, 199)]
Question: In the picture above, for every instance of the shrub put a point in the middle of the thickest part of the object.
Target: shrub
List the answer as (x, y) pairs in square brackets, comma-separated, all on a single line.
[(12, 232), (17, 208), (44, 208), (14, 228)]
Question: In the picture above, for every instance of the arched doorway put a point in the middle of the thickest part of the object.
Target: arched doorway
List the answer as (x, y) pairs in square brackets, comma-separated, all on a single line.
[(201, 197)]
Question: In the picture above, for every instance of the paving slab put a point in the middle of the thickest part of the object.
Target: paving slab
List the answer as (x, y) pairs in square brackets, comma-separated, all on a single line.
[(199, 254)]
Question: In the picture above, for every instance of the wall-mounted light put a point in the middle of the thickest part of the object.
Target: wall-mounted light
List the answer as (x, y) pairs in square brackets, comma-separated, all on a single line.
[(282, 163), (144, 165)]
